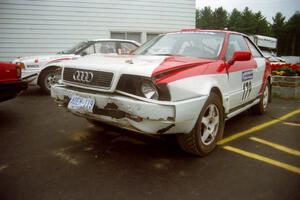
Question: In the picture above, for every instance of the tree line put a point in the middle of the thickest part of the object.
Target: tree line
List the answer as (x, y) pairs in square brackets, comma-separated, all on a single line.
[(286, 31)]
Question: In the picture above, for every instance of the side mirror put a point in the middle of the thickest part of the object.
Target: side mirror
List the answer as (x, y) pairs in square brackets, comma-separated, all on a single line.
[(240, 56)]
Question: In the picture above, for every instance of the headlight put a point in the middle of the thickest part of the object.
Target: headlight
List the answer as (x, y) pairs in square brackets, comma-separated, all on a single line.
[(149, 90), (143, 87)]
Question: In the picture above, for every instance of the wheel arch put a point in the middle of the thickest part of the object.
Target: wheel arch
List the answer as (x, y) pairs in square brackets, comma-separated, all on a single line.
[(43, 71), (269, 79), (217, 91)]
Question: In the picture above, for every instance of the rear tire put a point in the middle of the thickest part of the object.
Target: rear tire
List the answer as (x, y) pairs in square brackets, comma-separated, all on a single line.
[(48, 78), (208, 130), (262, 106)]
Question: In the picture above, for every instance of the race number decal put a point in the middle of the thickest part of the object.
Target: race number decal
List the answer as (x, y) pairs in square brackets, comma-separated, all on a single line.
[(247, 77)]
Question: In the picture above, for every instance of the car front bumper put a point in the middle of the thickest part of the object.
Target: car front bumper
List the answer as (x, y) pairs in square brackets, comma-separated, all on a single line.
[(10, 89), (157, 117)]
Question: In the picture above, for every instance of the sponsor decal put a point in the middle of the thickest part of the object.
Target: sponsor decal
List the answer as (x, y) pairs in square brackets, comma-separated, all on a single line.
[(247, 77), (32, 66)]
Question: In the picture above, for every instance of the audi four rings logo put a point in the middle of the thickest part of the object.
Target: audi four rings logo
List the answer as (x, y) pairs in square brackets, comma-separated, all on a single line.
[(83, 76)]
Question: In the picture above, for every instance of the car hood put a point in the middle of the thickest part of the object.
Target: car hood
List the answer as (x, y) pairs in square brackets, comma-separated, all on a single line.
[(141, 65), (42, 58)]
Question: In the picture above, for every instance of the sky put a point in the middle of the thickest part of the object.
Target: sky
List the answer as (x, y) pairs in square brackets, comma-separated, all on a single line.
[(267, 7)]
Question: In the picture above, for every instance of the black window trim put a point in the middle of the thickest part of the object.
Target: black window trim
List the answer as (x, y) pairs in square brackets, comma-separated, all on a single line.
[(87, 46), (243, 36), (258, 50)]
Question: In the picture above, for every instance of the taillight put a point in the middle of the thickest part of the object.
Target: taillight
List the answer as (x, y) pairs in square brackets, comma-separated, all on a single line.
[(21, 65), (18, 71)]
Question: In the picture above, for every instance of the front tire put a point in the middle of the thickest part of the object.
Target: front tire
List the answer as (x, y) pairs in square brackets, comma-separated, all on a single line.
[(48, 78), (208, 130)]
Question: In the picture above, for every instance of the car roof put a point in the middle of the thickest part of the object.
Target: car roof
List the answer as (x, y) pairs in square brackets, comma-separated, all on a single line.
[(208, 30), (113, 40)]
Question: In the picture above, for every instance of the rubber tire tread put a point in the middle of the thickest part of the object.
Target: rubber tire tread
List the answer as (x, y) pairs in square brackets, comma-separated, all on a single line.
[(191, 143), (41, 82)]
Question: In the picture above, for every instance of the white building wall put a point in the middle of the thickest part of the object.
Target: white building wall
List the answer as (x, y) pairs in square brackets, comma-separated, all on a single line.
[(31, 27)]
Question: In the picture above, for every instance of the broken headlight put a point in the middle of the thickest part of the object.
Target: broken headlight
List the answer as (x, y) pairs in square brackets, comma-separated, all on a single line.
[(149, 90), (144, 87)]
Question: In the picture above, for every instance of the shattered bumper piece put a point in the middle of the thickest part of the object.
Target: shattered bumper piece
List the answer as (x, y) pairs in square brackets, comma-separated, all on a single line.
[(134, 114)]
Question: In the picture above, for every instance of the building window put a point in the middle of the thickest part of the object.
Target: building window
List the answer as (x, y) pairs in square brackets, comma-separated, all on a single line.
[(150, 36), (126, 35)]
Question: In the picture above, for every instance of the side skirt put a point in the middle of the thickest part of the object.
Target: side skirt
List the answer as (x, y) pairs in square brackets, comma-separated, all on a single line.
[(239, 109)]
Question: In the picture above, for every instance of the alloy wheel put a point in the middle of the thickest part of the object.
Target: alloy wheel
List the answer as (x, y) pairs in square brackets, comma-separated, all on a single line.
[(210, 124)]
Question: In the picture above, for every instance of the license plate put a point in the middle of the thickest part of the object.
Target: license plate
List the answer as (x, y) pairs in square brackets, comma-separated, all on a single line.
[(81, 104)]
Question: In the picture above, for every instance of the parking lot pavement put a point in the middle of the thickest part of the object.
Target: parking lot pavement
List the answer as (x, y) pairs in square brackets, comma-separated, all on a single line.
[(47, 153)]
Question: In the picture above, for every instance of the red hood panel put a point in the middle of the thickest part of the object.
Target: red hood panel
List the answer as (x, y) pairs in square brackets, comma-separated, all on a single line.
[(173, 63)]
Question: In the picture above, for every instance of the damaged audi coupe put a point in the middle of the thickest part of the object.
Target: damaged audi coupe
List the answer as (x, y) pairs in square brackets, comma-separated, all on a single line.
[(186, 83)]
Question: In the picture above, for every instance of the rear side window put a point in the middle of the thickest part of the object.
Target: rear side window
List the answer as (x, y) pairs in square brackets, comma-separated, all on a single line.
[(126, 47), (253, 49), (105, 47), (235, 43)]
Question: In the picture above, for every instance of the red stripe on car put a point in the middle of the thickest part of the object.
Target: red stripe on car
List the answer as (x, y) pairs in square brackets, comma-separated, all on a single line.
[(175, 68), (57, 60)]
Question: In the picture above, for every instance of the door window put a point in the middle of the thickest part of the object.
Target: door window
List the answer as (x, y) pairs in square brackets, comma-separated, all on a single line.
[(105, 47), (126, 48), (87, 51), (253, 49), (235, 43)]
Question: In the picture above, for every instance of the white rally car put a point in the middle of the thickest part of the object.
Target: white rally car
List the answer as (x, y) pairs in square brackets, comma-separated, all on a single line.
[(42, 70), (186, 83)]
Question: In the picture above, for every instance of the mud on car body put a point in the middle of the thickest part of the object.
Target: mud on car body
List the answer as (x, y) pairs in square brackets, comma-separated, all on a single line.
[(186, 83)]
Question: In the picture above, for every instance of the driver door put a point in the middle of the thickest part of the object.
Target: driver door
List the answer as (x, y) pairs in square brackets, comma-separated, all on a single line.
[(240, 74)]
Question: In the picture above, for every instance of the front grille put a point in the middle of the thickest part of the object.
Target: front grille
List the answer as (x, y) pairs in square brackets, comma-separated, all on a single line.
[(100, 79)]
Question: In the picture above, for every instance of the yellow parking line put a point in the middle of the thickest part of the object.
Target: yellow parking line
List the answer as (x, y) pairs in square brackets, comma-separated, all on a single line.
[(276, 146), (264, 159), (259, 127), (291, 123)]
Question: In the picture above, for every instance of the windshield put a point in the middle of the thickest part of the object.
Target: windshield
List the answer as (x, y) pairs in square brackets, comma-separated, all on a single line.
[(75, 49), (200, 44)]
